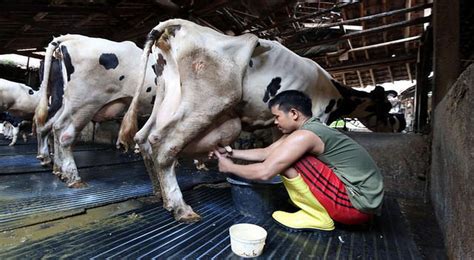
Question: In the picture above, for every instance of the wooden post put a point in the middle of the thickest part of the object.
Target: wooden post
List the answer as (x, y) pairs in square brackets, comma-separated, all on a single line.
[(407, 29), (390, 73), (446, 47), (407, 66), (361, 82), (423, 69), (28, 80)]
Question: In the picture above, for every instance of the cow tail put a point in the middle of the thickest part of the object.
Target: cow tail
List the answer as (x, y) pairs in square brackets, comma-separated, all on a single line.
[(129, 126), (41, 112)]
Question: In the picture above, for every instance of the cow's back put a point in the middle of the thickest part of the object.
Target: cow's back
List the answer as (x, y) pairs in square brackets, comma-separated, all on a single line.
[(18, 98), (273, 69), (106, 68)]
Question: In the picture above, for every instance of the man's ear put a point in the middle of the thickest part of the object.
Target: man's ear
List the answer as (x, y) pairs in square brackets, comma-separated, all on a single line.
[(294, 113)]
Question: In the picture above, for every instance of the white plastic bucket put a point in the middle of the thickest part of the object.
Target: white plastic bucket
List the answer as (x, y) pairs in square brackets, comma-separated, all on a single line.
[(247, 240)]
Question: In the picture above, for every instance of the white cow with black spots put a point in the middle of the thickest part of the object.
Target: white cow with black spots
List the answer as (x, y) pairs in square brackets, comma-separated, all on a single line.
[(214, 84), (100, 78), (17, 103)]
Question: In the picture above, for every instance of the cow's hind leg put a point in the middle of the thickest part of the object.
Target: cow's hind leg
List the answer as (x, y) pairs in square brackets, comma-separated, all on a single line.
[(164, 156), (172, 196), (45, 140), (58, 156), (69, 167), (146, 152), (64, 138), (43, 149)]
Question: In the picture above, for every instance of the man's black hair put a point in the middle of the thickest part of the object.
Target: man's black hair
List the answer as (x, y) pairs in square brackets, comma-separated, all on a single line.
[(292, 99)]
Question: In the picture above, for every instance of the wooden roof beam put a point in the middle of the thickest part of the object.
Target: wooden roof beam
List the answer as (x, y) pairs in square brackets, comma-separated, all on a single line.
[(24, 22), (377, 45), (383, 44), (39, 16), (8, 8), (211, 8), (364, 43), (301, 18), (367, 18), (372, 64), (23, 53), (233, 18), (243, 13), (379, 29), (349, 43), (85, 20)]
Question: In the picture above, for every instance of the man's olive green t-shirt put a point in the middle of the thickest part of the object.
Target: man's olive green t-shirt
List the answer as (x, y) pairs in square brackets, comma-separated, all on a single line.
[(352, 164)]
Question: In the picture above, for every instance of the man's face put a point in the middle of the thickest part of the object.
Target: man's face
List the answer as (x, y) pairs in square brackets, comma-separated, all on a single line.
[(284, 121)]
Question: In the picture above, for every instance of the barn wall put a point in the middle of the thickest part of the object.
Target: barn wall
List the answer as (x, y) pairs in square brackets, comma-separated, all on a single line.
[(403, 160), (452, 171)]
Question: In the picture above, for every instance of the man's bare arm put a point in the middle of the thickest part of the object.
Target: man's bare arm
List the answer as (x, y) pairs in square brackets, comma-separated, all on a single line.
[(279, 159), (256, 155)]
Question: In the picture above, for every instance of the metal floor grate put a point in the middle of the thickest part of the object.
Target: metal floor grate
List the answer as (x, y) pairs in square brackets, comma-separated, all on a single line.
[(27, 163), (153, 233)]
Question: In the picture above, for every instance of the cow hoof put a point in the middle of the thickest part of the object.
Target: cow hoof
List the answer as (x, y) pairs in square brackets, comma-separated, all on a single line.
[(186, 216), (77, 185), (62, 177), (45, 162)]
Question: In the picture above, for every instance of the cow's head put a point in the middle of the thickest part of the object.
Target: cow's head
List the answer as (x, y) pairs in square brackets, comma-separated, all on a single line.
[(394, 122), (371, 108)]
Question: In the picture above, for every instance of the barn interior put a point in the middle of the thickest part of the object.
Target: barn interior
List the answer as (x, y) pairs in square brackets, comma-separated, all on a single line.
[(427, 169)]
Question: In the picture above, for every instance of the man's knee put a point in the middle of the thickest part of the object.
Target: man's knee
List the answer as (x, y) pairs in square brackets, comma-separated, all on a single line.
[(290, 173)]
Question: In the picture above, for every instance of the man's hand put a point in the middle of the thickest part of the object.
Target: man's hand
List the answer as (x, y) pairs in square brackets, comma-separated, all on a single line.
[(224, 151), (224, 162)]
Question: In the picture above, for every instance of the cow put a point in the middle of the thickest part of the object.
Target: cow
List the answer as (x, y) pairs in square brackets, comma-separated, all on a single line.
[(99, 82), (17, 103), (18, 99), (14, 126), (213, 85)]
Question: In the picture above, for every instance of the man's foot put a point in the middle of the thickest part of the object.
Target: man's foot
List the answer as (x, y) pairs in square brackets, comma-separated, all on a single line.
[(302, 221)]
